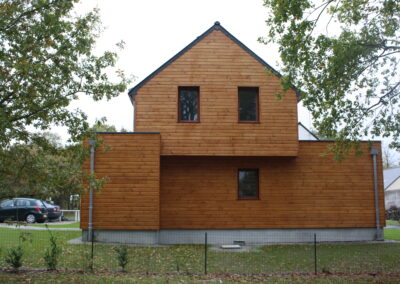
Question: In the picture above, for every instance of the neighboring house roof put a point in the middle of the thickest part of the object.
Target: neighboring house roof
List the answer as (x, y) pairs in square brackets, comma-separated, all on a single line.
[(216, 26), (390, 176), (306, 134)]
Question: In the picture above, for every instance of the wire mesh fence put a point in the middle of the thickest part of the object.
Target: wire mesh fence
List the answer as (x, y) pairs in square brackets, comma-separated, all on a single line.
[(213, 254)]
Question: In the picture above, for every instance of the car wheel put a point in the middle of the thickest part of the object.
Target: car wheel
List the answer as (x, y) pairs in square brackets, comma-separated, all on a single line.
[(30, 218)]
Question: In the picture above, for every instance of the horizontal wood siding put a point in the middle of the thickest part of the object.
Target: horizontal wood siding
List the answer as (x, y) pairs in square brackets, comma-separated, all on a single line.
[(218, 66), (130, 198), (309, 191)]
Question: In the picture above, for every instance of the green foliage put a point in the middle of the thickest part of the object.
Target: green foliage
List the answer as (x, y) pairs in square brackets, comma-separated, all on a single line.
[(101, 125), (344, 57), (47, 61), (42, 168), (15, 254), (122, 256), (14, 257), (393, 213), (52, 253)]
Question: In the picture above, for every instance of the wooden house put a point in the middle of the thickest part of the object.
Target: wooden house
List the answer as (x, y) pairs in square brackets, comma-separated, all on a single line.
[(214, 151)]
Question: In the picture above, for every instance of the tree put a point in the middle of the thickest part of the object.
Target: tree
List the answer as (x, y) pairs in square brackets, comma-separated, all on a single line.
[(388, 157), (42, 168), (100, 125), (46, 61), (344, 57)]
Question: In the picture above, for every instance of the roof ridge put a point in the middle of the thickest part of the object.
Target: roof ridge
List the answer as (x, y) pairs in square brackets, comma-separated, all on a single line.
[(217, 26)]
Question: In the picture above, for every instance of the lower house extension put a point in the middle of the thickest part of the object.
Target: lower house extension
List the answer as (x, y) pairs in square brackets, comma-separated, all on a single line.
[(214, 151)]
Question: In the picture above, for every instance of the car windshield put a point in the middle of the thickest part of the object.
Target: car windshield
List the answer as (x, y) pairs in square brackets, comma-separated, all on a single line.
[(7, 203)]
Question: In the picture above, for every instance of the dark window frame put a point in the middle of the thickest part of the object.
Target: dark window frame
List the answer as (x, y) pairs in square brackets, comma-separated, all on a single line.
[(257, 105), (179, 104), (257, 196)]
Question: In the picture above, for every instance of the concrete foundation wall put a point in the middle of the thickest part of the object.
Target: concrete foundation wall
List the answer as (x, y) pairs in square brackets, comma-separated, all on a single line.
[(218, 237)]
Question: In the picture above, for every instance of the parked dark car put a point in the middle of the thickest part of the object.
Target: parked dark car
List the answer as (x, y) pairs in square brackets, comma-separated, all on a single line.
[(23, 209), (54, 211)]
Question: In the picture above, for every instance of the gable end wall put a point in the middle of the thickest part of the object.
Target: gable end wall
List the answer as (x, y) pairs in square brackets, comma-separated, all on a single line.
[(218, 66)]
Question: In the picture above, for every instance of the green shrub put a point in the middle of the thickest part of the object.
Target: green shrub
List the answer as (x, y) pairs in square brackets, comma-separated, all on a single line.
[(14, 257), (122, 256), (52, 253)]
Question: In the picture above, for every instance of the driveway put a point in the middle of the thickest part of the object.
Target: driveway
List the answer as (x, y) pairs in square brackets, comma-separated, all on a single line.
[(393, 227)]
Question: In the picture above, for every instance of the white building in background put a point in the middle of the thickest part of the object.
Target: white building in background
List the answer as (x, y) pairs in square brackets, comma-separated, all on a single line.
[(391, 180), (305, 134)]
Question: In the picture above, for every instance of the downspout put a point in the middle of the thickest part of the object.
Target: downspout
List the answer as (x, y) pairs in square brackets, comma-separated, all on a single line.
[(379, 233), (90, 223)]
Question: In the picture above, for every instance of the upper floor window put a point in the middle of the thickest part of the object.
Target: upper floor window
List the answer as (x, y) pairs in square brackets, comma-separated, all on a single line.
[(188, 104), (248, 184), (248, 104)]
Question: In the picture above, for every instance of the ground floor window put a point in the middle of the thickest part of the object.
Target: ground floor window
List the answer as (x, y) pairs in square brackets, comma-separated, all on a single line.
[(248, 184)]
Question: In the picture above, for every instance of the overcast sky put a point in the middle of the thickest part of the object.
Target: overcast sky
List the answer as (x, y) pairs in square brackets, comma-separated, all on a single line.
[(155, 30)]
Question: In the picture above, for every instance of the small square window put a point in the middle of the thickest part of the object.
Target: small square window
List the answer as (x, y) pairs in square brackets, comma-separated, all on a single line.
[(248, 184), (248, 104), (188, 104)]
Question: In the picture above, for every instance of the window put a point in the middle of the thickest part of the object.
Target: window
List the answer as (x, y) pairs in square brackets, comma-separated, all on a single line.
[(248, 104), (22, 202), (7, 203), (248, 184), (188, 104)]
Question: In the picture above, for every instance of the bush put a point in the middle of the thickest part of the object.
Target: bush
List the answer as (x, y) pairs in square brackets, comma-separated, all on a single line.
[(393, 213), (122, 256), (52, 253), (14, 257)]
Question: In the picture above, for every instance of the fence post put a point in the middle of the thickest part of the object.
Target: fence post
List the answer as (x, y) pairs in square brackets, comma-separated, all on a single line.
[(315, 254), (92, 252), (205, 253)]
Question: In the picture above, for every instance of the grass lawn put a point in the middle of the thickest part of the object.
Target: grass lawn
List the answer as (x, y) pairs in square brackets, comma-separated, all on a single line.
[(71, 225), (392, 234), (106, 277), (392, 223), (347, 258)]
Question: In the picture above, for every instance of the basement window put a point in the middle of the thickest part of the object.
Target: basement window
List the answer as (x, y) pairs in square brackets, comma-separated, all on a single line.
[(188, 104), (248, 104), (248, 184)]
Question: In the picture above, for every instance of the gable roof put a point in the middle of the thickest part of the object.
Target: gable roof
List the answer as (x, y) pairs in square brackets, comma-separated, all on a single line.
[(390, 176), (216, 26)]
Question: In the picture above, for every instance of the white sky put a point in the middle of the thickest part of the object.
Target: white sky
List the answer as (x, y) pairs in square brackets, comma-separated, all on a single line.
[(155, 30)]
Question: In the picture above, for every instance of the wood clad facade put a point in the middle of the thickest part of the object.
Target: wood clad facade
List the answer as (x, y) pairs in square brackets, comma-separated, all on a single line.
[(309, 191), (130, 197), (218, 66), (186, 177)]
